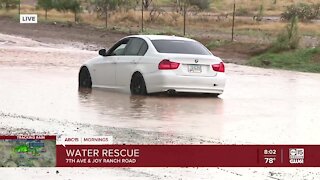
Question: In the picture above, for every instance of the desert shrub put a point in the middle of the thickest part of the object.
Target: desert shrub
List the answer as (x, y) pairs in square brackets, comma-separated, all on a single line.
[(154, 13), (260, 13), (201, 4), (289, 38), (174, 17), (242, 12), (305, 12), (216, 43), (9, 4)]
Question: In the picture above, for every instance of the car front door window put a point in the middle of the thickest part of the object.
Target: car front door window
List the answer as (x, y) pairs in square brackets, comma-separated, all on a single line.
[(119, 48), (119, 51)]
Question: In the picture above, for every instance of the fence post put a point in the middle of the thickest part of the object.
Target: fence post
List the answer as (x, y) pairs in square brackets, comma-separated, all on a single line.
[(142, 16), (184, 18), (19, 7), (233, 15)]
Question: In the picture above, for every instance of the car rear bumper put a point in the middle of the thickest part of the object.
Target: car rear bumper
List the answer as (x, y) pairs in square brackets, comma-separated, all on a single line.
[(163, 81)]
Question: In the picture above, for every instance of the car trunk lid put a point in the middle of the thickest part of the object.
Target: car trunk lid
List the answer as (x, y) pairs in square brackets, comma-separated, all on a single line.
[(195, 65)]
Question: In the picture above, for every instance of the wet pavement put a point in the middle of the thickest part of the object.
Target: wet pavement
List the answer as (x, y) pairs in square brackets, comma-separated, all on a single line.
[(39, 94)]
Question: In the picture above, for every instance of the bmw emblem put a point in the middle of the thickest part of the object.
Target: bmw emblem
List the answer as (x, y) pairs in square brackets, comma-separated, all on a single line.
[(196, 61)]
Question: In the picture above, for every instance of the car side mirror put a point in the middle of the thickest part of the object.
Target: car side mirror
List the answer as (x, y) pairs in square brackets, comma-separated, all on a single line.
[(103, 52)]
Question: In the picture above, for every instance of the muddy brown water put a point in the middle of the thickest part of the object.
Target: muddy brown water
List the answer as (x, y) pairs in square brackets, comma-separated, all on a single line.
[(39, 94), (258, 106), (269, 107)]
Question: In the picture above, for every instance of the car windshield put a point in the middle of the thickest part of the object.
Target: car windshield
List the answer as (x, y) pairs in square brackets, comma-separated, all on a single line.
[(180, 47)]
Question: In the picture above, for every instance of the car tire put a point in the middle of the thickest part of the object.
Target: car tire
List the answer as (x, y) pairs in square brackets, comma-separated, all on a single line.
[(84, 78), (214, 95), (138, 85)]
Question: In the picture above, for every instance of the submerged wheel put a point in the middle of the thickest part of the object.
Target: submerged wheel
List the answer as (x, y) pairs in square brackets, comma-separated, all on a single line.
[(138, 85), (84, 78), (215, 95)]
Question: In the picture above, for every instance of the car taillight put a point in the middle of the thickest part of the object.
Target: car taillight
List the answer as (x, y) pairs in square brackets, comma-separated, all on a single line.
[(218, 67), (167, 64)]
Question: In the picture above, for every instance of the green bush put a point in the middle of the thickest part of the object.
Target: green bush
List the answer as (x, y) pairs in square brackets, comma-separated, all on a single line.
[(73, 6), (305, 12), (242, 12), (305, 60), (201, 4), (289, 38), (216, 43), (260, 14), (9, 4)]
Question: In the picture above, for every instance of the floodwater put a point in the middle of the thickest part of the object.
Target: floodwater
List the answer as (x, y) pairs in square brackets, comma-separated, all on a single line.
[(39, 94), (255, 103)]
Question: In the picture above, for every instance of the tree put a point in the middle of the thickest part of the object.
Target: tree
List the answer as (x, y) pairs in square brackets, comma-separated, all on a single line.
[(46, 5), (305, 12), (146, 3), (104, 6), (9, 4), (68, 5)]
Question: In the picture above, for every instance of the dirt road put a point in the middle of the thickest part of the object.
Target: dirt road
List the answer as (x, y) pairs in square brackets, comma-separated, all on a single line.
[(89, 38), (39, 94), (76, 35)]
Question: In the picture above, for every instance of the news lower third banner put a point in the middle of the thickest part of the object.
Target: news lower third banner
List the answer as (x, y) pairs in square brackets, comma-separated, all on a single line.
[(46, 151)]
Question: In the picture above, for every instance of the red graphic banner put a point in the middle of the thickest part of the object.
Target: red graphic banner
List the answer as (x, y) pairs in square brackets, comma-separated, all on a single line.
[(28, 137), (188, 156)]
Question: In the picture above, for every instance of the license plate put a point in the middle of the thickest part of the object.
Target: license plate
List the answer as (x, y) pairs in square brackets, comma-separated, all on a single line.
[(195, 68)]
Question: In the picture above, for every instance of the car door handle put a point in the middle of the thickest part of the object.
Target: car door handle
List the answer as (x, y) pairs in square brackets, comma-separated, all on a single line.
[(133, 62)]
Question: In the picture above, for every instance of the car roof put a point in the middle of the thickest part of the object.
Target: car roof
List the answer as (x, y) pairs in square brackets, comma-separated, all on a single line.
[(162, 37)]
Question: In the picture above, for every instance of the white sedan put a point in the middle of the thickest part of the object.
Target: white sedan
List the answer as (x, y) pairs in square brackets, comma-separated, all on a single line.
[(144, 64)]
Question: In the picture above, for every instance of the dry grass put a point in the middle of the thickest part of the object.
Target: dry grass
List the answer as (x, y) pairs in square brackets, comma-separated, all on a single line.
[(275, 27), (305, 28), (131, 21), (253, 5), (8, 13)]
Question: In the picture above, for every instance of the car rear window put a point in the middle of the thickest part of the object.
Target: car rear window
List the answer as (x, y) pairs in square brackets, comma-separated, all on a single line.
[(180, 47)]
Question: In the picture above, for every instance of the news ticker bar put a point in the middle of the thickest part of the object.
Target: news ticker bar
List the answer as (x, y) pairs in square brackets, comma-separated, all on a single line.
[(104, 154), (188, 156)]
